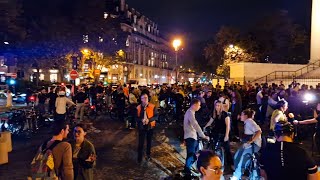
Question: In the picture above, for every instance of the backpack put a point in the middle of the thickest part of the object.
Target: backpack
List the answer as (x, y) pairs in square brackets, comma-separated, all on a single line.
[(42, 165)]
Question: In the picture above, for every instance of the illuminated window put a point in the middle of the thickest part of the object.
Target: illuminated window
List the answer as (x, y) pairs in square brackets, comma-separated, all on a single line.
[(100, 39), (41, 78), (85, 38), (53, 77)]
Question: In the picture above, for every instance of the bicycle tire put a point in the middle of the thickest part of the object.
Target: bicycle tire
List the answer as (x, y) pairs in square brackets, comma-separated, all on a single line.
[(113, 115), (92, 115), (162, 119)]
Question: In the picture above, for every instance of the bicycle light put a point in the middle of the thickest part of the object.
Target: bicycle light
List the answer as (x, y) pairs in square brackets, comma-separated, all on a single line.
[(309, 97), (31, 98)]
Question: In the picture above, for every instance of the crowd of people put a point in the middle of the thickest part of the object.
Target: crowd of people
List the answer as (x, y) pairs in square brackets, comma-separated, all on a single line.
[(202, 106)]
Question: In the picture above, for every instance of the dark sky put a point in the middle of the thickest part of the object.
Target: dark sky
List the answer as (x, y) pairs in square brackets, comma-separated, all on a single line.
[(200, 19)]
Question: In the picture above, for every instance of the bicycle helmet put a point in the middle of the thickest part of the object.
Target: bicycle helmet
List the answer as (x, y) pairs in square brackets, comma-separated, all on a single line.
[(283, 127)]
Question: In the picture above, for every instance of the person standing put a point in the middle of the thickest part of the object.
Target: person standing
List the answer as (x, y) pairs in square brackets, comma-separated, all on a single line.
[(83, 154), (285, 159), (9, 99), (146, 119), (80, 98), (191, 131), (52, 101), (121, 104), (61, 106), (42, 97), (61, 151)]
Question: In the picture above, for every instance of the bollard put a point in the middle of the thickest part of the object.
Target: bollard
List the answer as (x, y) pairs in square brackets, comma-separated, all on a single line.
[(6, 135), (3, 151)]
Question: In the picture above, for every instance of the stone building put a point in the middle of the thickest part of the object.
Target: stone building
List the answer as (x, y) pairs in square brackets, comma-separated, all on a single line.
[(149, 57)]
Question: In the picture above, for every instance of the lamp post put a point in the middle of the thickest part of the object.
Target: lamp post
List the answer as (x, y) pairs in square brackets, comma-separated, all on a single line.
[(176, 44)]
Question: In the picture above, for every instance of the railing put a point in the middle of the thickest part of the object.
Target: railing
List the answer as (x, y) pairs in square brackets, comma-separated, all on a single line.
[(289, 74)]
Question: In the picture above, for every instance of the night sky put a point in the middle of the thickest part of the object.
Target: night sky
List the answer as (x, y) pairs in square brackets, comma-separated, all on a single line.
[(200, 19)]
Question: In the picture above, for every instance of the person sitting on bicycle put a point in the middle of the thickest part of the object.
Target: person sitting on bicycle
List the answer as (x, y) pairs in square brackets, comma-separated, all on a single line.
[(316, 119), (221, 131), (252, 137), (209, 165), (278, 114)]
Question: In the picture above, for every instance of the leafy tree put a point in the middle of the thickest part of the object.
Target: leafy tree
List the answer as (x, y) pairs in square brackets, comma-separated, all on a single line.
[(11, 28)]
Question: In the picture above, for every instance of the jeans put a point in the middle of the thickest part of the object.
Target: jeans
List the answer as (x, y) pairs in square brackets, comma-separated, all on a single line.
[(241, 158), (80, 107), (60, 117), (143, 133), (192, 148), (52, 108), (42, 108)]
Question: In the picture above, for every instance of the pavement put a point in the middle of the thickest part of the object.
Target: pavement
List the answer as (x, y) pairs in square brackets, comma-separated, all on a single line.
[(116, 152)]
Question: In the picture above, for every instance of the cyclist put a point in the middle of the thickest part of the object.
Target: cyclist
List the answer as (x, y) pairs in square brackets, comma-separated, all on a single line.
[(221, 132), (278, 114), (286, 160), (191, 132), (252, 137)]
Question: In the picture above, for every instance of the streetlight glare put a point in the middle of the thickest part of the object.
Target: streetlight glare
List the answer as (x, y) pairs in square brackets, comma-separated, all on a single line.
[(176, 44), (85, 51), (231, 46), (6, 42)]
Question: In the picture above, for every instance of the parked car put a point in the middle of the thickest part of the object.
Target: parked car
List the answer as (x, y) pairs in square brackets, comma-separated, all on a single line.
[(17, 98)]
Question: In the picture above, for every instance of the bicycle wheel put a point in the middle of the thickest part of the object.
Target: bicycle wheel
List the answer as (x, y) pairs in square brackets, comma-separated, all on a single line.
[(113, 114), (161, 118), (92, 115)]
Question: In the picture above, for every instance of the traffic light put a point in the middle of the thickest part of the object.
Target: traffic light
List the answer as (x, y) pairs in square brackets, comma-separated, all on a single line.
[(12, 82)]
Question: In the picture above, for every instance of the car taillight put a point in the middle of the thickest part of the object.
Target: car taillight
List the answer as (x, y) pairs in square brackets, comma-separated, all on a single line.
[(92, 107), (31, 98)]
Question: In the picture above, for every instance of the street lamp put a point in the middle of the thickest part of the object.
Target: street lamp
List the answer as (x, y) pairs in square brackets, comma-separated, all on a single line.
[(176, 44)]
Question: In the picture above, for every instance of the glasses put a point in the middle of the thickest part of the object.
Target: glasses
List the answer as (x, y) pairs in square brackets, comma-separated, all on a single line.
[(216, 170)]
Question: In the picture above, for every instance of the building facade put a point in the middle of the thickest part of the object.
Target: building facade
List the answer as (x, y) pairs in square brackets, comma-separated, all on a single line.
[(149, 58)]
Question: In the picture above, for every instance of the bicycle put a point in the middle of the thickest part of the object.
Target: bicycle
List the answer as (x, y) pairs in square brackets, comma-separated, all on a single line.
[(252, 165), (216, 144)]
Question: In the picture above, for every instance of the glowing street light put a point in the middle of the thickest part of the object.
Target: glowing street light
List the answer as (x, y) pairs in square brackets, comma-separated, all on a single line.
[(85, 51), (176, 44)]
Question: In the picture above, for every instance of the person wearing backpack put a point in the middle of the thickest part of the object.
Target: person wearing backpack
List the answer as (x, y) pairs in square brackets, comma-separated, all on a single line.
[(83, 154), (54, 157)]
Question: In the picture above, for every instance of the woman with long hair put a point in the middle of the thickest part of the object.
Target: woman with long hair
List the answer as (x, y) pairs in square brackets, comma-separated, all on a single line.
[(221, 131)]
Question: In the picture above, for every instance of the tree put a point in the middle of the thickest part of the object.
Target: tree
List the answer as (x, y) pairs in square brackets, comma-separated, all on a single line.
[(11, 28), (280, 38), (226, 49)]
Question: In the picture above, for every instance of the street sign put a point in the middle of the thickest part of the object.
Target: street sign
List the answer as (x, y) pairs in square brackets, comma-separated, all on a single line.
[(74, 74)]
